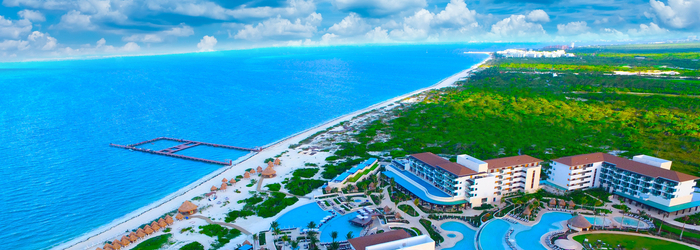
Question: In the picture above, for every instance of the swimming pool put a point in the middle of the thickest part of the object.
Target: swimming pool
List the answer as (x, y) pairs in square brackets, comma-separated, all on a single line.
[(493, 234), (301, 216), (467, 242), (530, 238), (341, 225), (630, 222), (451, 235), (598, 221)]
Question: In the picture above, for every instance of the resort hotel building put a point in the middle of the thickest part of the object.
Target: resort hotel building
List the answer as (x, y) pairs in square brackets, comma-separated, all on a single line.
[(644, 179), (357, 173), (467, 182)]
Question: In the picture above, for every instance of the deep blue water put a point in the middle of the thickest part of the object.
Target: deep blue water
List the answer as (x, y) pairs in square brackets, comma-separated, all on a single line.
[(60, 179)]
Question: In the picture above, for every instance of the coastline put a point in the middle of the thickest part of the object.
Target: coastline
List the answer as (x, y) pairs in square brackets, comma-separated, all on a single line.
[(172, 201)]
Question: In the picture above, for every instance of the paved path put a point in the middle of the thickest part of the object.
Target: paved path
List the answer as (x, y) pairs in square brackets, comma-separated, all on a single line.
[(571, 237), (221, 223)]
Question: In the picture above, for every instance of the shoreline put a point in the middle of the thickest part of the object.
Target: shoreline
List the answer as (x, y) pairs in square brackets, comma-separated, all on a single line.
[(172, 201)]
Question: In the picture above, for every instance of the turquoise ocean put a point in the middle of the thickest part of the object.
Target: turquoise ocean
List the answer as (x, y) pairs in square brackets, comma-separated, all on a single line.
[(59, 177)]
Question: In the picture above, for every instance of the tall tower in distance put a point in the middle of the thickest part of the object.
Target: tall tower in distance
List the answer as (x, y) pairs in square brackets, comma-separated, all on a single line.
[(572, 45)]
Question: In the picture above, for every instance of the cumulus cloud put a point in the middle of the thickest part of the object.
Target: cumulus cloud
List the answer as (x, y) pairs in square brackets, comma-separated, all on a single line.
[(182, 30), (414, 27), (130, 47), (456, 14), (34, 41), (377, 35), (572, 28), (647, 30), (538, 16), (601, 21), (14, 29), (378, 8), (352, 24), (207, 43), (517, 26), (279, 28), (74, 20), (32, 15), (678, 14)]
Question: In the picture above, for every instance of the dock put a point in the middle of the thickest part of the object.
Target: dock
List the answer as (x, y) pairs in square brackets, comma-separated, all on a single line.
[(185, 144)]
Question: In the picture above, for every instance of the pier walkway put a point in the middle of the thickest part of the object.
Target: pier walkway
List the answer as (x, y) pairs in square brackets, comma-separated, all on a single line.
[(185, 145)]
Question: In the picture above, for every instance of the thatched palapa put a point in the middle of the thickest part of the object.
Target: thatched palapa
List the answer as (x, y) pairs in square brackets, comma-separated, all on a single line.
[(260, 169), (141, 233), (224, 180), (527, 211), (116, 244), (232, 181), (125, 241), (223, 186), (108, 246), (148, 229), (161, 223), (252, 171), (387, 209), (572, 204), (397, 215), (552, 202), (270, 164), (562, 203), (187, 207), (133, 237), (246, 175), (179, 216), (213, 188), (277, 161), (579, 223), (246, 242), (169, 220), (328, 189), (269, 173)]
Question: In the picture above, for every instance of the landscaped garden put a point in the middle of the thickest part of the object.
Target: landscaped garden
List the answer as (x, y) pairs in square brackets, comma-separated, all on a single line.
[(429, 228), (408, 210), (223, 235), (630, 242)]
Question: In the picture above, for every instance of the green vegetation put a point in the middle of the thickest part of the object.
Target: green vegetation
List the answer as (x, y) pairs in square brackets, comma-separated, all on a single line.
[(409, 231), (675, 232), (418, 232), (153, 243), (330, 171), (274, 204), (408, 210), (235, 214), (223, 235), (631, 242), (193, 246), (305, 172), (599, 193), (376, 199), (433, 234), (299, 186), (693, 219), (274, 186)]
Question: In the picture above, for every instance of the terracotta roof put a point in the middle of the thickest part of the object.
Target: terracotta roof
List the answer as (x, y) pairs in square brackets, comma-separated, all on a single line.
[(579, 221), (187, 206), (511, 161), (360, 243), (437, 161), (625, 164)]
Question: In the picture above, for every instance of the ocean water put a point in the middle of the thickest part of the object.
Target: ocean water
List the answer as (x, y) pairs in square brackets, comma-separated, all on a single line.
[(60, 179)]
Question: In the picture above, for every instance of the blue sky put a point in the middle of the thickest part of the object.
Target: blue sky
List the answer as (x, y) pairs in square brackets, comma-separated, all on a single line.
[(40, 29)]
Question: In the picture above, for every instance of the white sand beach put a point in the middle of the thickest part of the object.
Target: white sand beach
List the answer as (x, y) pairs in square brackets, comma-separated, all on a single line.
[(292, 159)]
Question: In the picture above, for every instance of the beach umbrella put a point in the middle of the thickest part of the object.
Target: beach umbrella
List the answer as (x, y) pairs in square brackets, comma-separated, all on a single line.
[(270, 164), (246, 175), (562, 203), (169, 220), (224, 186), (187, 207), (224, 180), (125, 241), (148, 229), (277, 161), (179, 216), (140, 233), (552, 202), (572, 204), (155, 226), (213, 188), (161, 223), (260, 169), (133, 237), (116, 244), (252, 171), (108, 246), (232, 181)]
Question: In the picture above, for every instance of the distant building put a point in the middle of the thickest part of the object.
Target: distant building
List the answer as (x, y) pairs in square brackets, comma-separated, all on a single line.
[(392, 240), (469, 181), (534, 54), (644, 179)]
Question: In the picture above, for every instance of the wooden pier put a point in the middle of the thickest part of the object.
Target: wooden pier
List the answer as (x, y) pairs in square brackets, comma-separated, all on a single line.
[(185, 145)]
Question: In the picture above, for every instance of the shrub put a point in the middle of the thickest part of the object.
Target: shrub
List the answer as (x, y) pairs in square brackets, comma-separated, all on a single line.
[(193, 246), (235, 214), (298, 186), (274, 186), (305, 172), (153, 243), (274, 204)]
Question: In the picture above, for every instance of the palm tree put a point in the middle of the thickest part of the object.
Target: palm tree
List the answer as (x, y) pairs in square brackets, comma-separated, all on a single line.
[(349, 235), (274, 225), (255, 240), (277, 232), (334, 246), (685, 219), (334, 235), (312, 240), (381, 197), (662, 224), (595, 216), (294, 244), (311, 225)]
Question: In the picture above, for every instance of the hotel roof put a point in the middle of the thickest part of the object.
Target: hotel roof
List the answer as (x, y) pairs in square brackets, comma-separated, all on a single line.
[(625, 164), (360, 243), (437, 161), (511, 161)]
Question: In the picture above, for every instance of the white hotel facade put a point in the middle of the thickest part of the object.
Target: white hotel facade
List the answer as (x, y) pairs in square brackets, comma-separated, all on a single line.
[(645, 179)]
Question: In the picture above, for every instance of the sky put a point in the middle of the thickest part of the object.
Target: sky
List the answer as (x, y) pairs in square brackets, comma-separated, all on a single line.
[(49, 29)]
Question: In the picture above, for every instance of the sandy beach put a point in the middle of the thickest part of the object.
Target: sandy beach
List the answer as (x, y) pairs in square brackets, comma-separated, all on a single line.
[(291, 159)]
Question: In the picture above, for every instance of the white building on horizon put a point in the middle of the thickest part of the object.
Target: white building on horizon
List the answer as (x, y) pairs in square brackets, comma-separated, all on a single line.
[(518, 53)]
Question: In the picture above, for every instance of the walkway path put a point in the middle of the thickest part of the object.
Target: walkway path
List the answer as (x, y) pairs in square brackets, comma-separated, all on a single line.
[(571, 237), (221, 223)]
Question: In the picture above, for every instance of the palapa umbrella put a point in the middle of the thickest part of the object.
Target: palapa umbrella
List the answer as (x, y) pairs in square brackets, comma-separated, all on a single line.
[(562, 203), (224, 186), (161, 223), (98, 248), (125, 240), (270, 164), (213, 188), (169, 220), (155, 226), (246, 242), (252, 171), (148, 229), (552, 202), (179, 216), (232, 181), (277, 161), (187, 207), (141, 234), (246, 175), (133, 237), (260, 169), (116, 244), (140, 230), (108, 246), (372, 186), (224, 180), (572, 204), (269, 173)]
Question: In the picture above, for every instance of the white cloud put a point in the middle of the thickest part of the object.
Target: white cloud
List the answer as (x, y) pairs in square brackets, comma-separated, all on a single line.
[(279, 28), (101, 43), (678, 14), (37, 37), (377, 35), (647, 30), (601, 21), (180, 31), (13, 45), (294, 8), (538, 16), (414, 27), (378, 8), (517, 26), (130, 47), (32, 15), (207, 43), (14, 29), (572, 28), (74, 20), (456, 14), (352, 24)]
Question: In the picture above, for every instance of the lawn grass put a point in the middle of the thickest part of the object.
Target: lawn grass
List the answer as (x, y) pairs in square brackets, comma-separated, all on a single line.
[(433, 234), (632, 242)]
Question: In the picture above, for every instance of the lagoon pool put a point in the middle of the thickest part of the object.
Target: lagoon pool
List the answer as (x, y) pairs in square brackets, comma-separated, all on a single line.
[(530, 238), (467, 243), (493, 234), (598, 220), (301, 216), (341, 225), (630, 222)]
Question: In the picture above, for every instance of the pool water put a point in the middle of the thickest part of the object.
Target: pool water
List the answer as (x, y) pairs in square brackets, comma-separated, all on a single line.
[(358, 200), (530, 238), (467, 243), (598, 220), (341, 225), (301, 216), (493, 234), (631, 222)]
